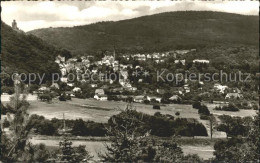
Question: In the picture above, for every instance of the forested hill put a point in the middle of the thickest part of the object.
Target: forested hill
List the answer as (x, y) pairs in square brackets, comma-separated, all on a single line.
[(160, 31), (26, 53)]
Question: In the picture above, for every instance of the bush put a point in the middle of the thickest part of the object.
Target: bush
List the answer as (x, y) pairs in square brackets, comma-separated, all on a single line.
[(157, 107), (229, 107), (157, 114), (196, 105), (255, 107), (177, 113), (45, 97), (204, 110), (64, 97), (146, 101)]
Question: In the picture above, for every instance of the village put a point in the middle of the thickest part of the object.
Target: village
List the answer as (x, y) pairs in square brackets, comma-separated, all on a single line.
[(108, 79)]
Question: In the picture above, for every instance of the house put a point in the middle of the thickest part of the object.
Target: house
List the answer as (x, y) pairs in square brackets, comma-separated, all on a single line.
[(69, 93), (70, 84), (200, 61), (186, 88), (95, 70), (220, 88), (60, 59), (124, 74), (99, 92), (130, 65), (127, 86), (180, 61), (63, 71), (64, 79), (115, 90), (76, 89), (138, 99), (93, 85), (132, 89), (101, 97), (160, 91), (140, 80), (55, 85), (233, 95), (43, 89), (181, 52), (175, 98), (158, 99)]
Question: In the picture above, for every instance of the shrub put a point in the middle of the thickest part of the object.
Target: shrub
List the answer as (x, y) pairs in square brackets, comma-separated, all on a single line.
[(204, 110), (146, 101), (157, 114), (45, 97), (196, 105), (64, 97), (177, 113), (157, 107), (229, 107)]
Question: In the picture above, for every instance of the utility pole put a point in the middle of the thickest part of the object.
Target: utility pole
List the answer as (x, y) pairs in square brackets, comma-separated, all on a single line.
[(211, 126), (64, 123)]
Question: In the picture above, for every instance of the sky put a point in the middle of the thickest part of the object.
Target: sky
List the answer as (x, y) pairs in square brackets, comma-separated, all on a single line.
[(32, 15)]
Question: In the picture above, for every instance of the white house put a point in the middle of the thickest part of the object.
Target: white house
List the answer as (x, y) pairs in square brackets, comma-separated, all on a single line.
[(138, 99), (99, 92), (76, 89), (158, 99), (70, 84), (175, 98), (233, 95), (101, 97), (64, 79), (220, 88), (200, 61), (55, 85), (93, 85), (180, 61), (42, 89)]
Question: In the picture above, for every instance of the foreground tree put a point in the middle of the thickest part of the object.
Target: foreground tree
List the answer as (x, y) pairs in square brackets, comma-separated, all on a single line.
[(128, 142), (15, 145), (240, 149)]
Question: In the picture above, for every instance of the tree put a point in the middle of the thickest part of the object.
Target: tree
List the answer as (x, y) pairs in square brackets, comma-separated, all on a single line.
[(156, 107), (128, 141), (16, 147), (240, 149), (204, 110), (79, 128), (196, 105)]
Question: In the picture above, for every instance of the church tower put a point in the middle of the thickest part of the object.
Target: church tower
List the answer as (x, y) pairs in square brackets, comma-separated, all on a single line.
[(14, 25)]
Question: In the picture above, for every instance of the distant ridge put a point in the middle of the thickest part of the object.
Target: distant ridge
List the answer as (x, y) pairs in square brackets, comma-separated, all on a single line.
[(157, 32)]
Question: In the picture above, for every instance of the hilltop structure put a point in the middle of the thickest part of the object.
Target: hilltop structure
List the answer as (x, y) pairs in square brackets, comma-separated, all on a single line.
[(14, 25)]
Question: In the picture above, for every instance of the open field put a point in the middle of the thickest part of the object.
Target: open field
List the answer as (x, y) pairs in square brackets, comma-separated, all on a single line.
[(101, 111), (205, 151)]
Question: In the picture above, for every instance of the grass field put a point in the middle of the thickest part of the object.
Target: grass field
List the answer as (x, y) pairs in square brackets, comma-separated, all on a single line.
[(205, 151), (101, 111)]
